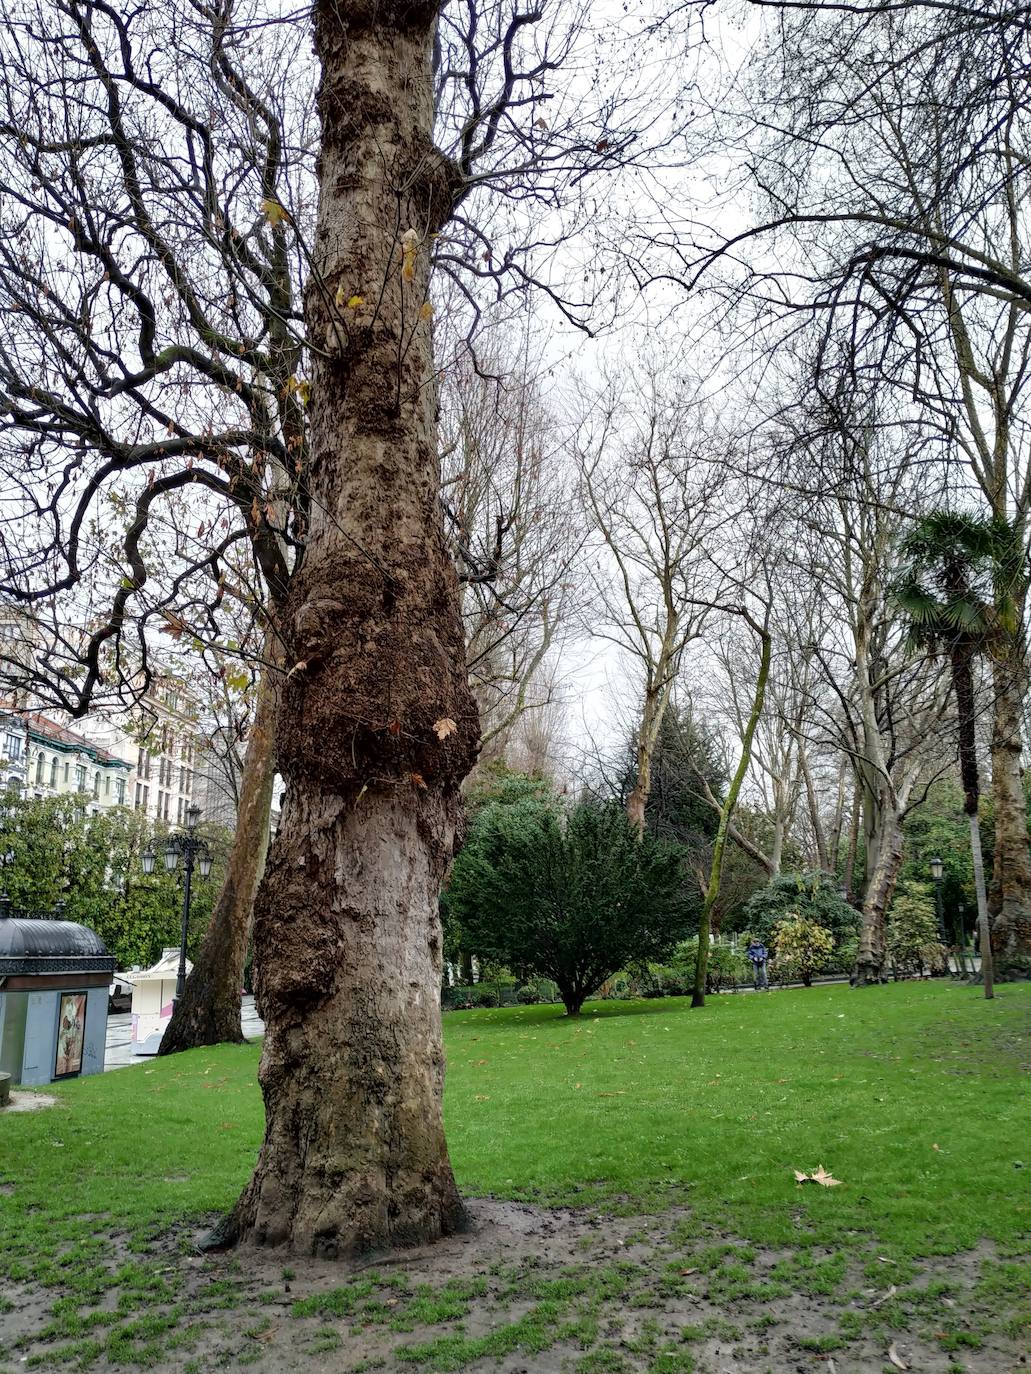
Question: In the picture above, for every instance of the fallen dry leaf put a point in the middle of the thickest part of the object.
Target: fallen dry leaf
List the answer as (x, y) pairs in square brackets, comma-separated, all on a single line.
[(444, 727), (819, 1175), (884, 1298), (685, 1272), (896, 1358)]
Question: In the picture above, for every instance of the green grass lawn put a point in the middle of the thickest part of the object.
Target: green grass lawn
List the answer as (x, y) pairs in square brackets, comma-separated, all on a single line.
[(914, 1095)]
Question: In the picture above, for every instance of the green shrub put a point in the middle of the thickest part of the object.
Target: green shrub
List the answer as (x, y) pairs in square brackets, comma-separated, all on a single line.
[(571, 897), (912, 933), (537, 990), (799, 940)]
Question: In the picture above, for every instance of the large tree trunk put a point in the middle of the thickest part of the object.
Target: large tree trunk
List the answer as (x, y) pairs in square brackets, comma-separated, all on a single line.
[(1009, 898), (208, 1013), (884, 859), (377, 726)]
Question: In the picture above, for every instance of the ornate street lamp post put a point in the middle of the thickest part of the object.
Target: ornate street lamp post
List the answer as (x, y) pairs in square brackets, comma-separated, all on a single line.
[(936, 873), (187, 845)]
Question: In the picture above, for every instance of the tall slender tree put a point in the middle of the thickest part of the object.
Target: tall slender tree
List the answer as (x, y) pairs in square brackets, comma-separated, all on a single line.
[(957, 591)]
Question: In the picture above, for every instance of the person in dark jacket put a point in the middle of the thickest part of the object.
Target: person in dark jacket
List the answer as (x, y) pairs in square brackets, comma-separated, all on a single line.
[(758, 954)]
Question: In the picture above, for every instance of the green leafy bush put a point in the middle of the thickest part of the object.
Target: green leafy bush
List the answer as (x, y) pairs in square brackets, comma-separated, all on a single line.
[(804, 943), (912, 933), (536, 991), (814, 896)]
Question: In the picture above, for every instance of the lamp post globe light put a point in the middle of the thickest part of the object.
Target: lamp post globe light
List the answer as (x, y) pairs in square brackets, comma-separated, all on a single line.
[(937, 869), (193, 851)]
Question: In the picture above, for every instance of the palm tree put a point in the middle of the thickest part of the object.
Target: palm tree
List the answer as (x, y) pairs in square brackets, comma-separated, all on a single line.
[(956, 593)]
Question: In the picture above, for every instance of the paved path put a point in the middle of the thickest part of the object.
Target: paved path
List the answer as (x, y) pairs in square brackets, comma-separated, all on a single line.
[(119, 1032)]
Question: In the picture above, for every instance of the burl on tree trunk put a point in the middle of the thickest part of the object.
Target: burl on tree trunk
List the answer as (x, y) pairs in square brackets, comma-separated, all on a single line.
[(1009, 897), (377, 726), (209, 1011)]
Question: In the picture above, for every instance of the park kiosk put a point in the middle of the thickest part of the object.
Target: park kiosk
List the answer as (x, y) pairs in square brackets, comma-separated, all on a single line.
[(54, 981), (153, 993)]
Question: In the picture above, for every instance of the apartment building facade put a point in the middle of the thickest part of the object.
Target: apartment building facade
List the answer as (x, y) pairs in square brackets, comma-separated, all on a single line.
[(40, 758)]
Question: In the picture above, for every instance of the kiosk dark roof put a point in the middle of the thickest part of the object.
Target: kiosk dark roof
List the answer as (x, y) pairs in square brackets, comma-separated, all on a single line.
[(33, 945)]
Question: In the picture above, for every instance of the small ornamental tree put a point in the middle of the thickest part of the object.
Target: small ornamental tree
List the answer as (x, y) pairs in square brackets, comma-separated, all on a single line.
[(912, 933), (572, 897), (803, 942)]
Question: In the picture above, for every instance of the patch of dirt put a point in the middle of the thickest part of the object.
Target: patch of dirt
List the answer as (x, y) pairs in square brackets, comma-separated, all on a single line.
[(28, 1102), (564, 1292)]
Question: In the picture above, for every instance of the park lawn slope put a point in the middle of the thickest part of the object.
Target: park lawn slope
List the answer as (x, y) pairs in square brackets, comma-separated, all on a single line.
[(914, 1095)]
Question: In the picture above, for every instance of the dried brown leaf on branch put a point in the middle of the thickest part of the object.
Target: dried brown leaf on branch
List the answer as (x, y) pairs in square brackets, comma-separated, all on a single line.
[(444, 727)]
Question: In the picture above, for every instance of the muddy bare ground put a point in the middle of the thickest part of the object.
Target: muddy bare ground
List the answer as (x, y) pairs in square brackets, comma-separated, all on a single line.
[(560, 1292)]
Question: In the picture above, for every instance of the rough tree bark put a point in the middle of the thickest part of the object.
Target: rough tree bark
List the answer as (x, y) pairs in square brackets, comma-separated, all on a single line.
[(377, 726), (1009, 897), (655, 703), (883, 862), (209, 1011)]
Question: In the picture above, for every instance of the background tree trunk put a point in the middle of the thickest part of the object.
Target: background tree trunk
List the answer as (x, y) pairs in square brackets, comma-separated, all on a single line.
[(209, 1011), (853, 843), (984, 931), (377, 726), (1009, 898), (733, 791)]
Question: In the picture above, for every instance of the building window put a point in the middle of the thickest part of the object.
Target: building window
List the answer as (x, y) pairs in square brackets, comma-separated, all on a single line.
[(53, 771), (139, 795), (107, 785), (96, 783), (168, 803), (67, 770), (12, 747), (40, 761), (120, 791), (179, 811), (80, 777)]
